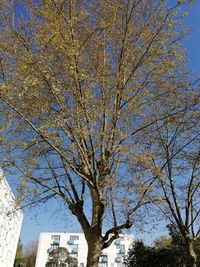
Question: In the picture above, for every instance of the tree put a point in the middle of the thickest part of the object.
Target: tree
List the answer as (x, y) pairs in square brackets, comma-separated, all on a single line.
[(162, 242), (178, 246), (197, 250), (140, 255), (30, 253), (19, 258), (174, 161), (79, 83), (165, 255), (173, 249), (60, 257), (167, 251)]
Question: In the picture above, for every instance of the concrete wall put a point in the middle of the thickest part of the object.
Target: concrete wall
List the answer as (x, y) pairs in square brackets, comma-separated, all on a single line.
[(10, 224)]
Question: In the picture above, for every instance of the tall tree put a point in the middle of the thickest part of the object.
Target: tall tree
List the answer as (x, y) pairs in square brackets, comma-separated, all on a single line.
[(167, 251), (19, 257), (30, 253), (79, 83), (165, 255), (174, 160), (140, 255)]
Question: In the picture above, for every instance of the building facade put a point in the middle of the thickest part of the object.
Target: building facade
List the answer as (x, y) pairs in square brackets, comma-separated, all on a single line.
[(77, 246), (10, 224)]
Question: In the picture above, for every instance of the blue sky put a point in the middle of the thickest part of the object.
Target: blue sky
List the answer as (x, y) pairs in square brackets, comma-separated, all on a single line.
[(192, 42), (50, 217)]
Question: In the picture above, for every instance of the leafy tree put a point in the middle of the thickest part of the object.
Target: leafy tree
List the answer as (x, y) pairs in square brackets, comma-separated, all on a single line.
[(30, 253), (168, 251), (80, 82), (178, 245), (162, 242), (171, 251), (140, 255), (60, 257), (19, 258)]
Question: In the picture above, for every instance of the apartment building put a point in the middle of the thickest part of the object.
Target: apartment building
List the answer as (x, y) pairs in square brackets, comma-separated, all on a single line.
[(10, 224), (77, 246)]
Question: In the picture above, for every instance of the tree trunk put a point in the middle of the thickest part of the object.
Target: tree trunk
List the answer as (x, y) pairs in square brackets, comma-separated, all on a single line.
[(192, 257), (94, 251)]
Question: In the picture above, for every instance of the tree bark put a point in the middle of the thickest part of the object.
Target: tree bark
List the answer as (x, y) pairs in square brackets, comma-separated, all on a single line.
[(192, 257), (94, 251)]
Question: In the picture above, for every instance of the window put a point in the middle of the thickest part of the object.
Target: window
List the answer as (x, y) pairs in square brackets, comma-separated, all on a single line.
[(117, 242), (118, 259), (74, 251), (81, 264), (55, 237), (74, 237), (122, 249), (103, 258), (74, 246), (102, 264), (121, 238), (55, 244)]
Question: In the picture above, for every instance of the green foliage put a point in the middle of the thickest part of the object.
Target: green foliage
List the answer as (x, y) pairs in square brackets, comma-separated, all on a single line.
[(61, 257), (166, 252), (179, 246), (144, 256), (19, 258), (30, 253), (139, 255), (162, 242), (26, 255)]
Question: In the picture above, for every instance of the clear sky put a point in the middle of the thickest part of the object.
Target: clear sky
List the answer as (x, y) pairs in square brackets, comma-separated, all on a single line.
[(49, 218), (192, 43)]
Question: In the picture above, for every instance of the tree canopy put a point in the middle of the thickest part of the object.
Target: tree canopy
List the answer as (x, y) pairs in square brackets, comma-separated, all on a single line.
[(60, 257), (80, 84), (167, 251)]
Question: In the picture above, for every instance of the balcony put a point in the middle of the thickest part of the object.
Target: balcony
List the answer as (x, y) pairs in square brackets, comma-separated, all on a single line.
[(74, 251), (122, 251), (49, 250), (104, 260), (55, 245), (70, 242), (56, 242), (118, 259)]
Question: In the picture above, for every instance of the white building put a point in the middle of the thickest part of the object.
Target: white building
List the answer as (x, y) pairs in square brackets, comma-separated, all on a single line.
[(77, 246), (10, 224)]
